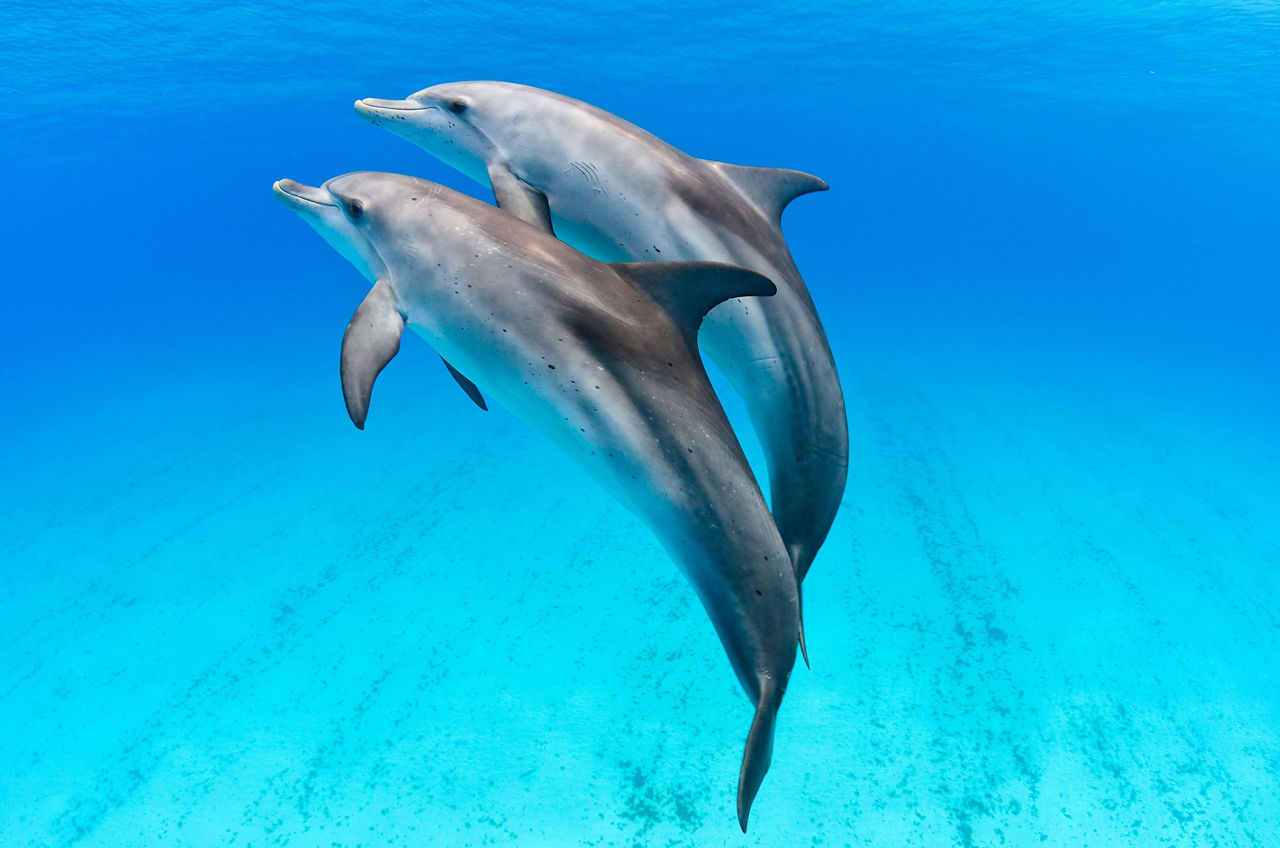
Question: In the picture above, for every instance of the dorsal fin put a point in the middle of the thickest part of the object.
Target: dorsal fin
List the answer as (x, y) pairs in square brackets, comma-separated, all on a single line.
[(770, 189), (689, 290)]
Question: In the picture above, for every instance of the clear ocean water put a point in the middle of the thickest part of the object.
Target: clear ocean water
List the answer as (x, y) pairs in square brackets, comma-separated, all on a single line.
[(1048, 613)]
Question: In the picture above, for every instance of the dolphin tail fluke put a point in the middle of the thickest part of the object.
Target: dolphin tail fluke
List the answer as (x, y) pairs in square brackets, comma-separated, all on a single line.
[(759, 751)]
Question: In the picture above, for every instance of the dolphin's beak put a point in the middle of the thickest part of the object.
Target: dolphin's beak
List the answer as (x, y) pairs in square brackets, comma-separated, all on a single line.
[(300, 197), (374, 109)]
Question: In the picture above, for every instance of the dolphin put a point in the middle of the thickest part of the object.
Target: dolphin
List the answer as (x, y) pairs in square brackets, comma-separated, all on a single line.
[(618, 192), (602, 360)]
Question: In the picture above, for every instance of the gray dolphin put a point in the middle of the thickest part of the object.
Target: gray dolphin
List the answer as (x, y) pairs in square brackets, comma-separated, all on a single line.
[(618, 192), (602, 360)]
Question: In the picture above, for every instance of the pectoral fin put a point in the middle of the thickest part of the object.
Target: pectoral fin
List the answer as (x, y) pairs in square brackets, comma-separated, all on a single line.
[(516, 197), (371, 340), (467, 386)]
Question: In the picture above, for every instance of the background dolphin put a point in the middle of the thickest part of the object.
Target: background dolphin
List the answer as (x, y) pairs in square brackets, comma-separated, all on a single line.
[(601, 359), (619, 192)]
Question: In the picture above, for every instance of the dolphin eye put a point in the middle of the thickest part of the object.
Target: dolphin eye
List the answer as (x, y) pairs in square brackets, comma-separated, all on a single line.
[(355, 209), (457, 105)]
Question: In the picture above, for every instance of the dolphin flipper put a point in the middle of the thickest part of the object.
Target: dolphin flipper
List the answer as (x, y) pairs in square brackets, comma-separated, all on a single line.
[(371, 340), (467, 386), (771, 189), (516, 197), (759, 751)]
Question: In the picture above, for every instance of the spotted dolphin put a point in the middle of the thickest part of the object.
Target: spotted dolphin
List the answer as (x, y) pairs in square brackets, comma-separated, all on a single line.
[(618, 192), (602, 360)]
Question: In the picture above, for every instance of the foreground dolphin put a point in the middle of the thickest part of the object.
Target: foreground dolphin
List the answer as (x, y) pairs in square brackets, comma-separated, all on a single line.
[(602, 360), (620, 193)]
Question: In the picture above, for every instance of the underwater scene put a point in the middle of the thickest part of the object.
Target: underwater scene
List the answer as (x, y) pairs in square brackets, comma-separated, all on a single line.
[(999, 391)]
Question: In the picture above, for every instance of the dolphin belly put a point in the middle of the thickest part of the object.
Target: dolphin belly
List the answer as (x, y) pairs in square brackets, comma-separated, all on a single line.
[(588, 239)]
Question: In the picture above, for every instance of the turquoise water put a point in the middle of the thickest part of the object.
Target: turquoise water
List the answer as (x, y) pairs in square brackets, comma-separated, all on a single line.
[(1048, 613)]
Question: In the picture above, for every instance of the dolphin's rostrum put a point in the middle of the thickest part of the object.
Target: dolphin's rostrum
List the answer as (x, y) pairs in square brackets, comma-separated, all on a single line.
[(602, 360), (618, 192)]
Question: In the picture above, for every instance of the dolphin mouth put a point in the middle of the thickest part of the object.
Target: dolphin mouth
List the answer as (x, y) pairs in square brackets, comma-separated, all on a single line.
[(299, 195), (373, 106)]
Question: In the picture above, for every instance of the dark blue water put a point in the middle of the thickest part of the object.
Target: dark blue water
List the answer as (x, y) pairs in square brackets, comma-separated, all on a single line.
[(1050, 271)]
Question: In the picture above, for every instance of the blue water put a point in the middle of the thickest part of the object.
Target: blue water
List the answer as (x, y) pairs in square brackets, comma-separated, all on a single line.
[(1048, 613)]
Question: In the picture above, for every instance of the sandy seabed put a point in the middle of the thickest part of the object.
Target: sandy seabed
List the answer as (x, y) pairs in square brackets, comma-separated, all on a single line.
[(1049, 613)]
